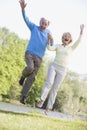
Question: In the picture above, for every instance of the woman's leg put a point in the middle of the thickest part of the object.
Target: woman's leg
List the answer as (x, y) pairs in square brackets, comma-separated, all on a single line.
[(57, 82), (47, 86)]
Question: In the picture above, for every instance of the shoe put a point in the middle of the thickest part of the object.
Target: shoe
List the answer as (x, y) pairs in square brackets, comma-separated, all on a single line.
[(21, 81), (40, 103), (23, 100), (47, 111)]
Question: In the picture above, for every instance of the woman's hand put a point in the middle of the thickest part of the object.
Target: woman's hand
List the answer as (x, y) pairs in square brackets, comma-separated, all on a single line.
[(81, 29)]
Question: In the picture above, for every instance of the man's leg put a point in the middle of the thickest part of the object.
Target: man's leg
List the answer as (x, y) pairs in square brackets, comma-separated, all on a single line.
[(29, 69), (31, 78), (26, 87)]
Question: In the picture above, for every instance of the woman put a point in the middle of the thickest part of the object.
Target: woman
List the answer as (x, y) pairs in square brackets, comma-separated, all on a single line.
[(58, 68)]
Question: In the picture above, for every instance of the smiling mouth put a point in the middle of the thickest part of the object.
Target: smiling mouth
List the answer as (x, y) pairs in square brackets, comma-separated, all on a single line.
[(66, 40)]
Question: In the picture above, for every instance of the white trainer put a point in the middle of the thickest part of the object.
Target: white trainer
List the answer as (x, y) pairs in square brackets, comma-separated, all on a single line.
[(40, 103)]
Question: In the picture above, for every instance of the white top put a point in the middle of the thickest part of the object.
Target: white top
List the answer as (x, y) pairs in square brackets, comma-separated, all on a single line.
[(63, 53)]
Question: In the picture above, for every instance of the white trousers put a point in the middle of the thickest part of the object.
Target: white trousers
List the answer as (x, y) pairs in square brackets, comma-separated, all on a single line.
[(55, 77)]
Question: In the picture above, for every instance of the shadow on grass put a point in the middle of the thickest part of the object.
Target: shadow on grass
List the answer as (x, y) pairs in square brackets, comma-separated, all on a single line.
[(32, 113)]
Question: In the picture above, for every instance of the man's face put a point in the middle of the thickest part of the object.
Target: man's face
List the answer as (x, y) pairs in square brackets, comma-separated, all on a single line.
[(44, 24)]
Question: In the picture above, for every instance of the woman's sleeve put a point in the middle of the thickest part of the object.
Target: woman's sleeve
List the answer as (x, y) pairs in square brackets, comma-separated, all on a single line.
[(52, 47), (75, 45)]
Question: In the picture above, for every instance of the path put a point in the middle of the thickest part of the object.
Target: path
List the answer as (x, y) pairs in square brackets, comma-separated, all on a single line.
[(25, 109)]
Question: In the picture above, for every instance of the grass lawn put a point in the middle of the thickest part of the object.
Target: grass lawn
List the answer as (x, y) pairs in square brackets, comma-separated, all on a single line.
[(37, 121)]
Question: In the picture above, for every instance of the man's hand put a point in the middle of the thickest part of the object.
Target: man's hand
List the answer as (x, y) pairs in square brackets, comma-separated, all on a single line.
[(22, 4), (50, 39)]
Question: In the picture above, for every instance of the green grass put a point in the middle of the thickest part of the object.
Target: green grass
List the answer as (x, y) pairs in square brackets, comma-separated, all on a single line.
[(37, 121)]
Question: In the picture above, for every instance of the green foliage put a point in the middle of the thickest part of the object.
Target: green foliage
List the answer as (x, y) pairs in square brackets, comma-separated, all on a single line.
[(61, 99), (72, 94), (14, 92), (11, 61), (69, 99)]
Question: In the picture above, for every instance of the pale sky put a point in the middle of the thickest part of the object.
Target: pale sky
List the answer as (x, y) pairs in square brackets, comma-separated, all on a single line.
[(64, 15)]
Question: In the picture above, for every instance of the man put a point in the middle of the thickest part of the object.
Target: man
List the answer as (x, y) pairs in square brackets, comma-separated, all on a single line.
[(34, 52)]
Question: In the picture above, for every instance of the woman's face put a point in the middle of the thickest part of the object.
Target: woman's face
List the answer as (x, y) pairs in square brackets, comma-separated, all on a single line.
[(66, 38)]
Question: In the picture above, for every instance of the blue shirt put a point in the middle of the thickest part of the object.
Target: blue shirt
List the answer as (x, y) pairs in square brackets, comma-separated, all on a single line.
[(38, 40)]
